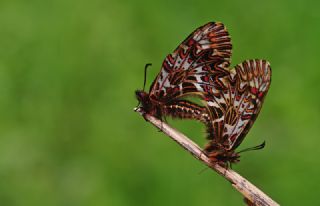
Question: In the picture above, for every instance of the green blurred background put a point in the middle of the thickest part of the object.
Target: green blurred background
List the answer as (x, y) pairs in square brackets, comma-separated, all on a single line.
[(68, 133)]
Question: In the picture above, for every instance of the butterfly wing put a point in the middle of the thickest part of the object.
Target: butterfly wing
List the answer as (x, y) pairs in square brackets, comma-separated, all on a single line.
[(235, 106), (205, 49), (198, 67)]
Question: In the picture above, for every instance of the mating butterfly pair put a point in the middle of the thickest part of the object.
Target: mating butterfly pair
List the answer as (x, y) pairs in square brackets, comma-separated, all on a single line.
[(232, 98)]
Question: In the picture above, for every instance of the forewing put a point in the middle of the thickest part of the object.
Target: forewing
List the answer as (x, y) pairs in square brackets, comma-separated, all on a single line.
[(206, 49), (235, 107)]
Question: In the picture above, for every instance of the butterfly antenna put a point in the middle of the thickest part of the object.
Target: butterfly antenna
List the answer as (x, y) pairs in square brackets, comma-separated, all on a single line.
[(145, 75), (145, 79), (260, 146)]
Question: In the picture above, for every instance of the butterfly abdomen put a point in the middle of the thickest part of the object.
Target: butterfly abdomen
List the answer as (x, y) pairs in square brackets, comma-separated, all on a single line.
[(186, 110)]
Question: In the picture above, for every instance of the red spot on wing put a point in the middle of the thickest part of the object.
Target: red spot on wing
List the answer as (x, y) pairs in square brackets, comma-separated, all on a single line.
[(206, 78), (254, 90), (260, 95), (233, 137), (191, 42)]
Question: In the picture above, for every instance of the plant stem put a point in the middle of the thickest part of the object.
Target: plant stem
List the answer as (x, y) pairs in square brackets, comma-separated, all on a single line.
[(252, 195)]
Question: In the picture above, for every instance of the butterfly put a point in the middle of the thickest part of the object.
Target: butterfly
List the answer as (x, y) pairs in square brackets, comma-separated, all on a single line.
[(232, 97)]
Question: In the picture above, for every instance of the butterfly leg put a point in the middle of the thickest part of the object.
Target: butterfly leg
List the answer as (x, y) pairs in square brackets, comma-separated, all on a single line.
[(163, 119)]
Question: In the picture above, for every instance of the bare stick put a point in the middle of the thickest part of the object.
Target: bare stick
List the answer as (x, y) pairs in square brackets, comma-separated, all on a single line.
[(252, 195)]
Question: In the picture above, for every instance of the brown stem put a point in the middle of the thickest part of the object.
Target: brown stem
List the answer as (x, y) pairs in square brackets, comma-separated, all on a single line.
[(251, 193)]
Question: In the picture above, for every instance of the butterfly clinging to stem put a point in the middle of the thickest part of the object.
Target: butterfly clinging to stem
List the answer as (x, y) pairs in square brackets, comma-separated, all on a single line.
[(232, 97)]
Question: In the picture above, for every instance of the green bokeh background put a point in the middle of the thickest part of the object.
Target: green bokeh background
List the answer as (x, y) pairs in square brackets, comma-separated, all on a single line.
[(68, 133)]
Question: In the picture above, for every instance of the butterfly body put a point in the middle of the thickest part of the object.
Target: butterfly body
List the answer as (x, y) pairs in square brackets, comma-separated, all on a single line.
[(232, 97), (176, 109), (218, 153)]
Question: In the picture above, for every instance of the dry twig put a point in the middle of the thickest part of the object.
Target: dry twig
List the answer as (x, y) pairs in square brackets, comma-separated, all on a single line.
[(252, 195)]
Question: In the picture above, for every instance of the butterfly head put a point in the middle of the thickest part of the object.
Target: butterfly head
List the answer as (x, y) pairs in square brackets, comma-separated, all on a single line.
[(225, 157), (143, 98), (218, 153)]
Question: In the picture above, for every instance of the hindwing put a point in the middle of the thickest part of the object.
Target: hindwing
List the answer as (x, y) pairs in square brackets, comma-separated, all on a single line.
[(235, 106)]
